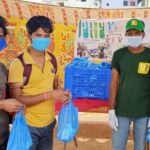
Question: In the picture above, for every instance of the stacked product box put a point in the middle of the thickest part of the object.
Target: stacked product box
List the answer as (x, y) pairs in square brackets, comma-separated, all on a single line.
[(88, 82)]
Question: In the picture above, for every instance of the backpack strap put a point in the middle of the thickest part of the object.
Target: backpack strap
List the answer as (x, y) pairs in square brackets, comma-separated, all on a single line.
[(27, 70), (28, 67), (53, 61)]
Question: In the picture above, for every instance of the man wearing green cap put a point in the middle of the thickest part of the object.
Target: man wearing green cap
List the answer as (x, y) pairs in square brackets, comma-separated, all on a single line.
[(130, 89)]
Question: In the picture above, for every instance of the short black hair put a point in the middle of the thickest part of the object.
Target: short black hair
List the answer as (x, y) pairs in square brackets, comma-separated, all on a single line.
[(36, 22), (3, 24)]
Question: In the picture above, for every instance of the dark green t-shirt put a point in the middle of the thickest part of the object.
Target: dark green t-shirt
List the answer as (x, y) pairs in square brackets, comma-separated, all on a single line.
[(133, 95)]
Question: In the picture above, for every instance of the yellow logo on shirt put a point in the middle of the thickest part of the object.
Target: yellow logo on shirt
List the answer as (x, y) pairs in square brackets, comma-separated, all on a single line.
[(143, 68)]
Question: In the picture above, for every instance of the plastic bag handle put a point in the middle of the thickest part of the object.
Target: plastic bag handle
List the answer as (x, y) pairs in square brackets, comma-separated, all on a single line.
[(18, 114)]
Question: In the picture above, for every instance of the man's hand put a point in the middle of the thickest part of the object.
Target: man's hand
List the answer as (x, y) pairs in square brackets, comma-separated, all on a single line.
[(11, 105), (113, 121), (60, 95)]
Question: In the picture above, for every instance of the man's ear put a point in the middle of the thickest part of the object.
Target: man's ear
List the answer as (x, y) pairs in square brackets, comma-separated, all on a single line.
[(29, 37), (143, 35)]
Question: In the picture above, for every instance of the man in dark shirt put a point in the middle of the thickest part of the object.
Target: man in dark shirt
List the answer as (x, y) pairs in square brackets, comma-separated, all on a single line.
[(130, 89)]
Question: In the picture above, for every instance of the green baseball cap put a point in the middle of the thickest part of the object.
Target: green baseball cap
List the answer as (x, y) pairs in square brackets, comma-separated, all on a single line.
[(135, 24)]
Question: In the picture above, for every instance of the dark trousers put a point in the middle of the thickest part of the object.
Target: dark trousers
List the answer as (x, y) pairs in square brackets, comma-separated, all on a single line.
[(42, 138), (4, 145)]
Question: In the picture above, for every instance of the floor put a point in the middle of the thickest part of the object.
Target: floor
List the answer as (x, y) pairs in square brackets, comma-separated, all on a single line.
[(94, 134)]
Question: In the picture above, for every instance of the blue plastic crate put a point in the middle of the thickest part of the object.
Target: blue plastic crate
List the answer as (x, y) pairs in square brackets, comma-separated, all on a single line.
[(88, 83)]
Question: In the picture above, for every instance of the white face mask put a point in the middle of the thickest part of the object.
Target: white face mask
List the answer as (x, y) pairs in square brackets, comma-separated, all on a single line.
[(134, 41)]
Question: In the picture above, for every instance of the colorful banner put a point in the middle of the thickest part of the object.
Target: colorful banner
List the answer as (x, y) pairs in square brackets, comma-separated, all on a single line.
[(66, 20), (98, 39), (66, 15), (62, 42)]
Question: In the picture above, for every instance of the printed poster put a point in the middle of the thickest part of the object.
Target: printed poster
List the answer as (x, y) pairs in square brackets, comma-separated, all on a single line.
[(98, 39)]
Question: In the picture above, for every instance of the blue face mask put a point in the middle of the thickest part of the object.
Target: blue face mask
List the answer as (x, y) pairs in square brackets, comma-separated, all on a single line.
[(3, 43), (41, 44), (134, 41)]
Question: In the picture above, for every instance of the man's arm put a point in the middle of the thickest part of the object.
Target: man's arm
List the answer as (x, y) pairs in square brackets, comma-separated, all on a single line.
[(113, 121), (30, 100), (1, 104), (16, 92), (113, 88)]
